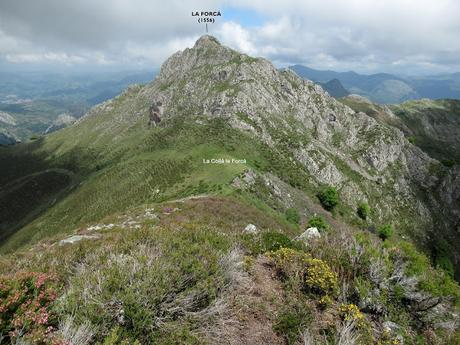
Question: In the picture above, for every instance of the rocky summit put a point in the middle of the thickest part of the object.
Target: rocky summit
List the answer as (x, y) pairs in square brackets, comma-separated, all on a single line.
[(367, 160), (228, 202)]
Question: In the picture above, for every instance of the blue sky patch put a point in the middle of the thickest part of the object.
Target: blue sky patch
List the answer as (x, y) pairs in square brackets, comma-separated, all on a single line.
[(245, 17)]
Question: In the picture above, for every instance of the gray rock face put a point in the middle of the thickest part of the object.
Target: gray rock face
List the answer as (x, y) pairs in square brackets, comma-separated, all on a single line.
[(61, 121), (7, 139), (7, 118), (360, 156)]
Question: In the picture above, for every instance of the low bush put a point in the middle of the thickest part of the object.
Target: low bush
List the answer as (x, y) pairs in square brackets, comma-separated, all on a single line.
[(314, 275), (132, 291), (385, 231), (290, 322), (318, 222), (26, 300), (273, 240), (319, 278), (363, 210), (351, 312), (292, 216), (329, 198)]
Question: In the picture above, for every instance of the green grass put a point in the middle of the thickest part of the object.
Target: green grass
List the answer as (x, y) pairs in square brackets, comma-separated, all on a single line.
[(166, 163)]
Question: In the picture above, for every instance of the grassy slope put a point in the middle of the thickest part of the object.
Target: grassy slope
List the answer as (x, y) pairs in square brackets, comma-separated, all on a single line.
[(189, 275), (434, 125), (143, 165)]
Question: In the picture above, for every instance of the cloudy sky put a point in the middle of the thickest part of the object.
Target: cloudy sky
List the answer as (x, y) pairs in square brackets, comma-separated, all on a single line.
[(399, 36)]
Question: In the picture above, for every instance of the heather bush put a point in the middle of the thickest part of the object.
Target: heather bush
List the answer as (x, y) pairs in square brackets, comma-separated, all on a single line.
[(133, 291), (26, 300), (290, 321)]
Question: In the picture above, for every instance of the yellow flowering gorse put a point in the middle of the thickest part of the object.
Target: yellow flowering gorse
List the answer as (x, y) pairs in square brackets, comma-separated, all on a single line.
[(315, 273)]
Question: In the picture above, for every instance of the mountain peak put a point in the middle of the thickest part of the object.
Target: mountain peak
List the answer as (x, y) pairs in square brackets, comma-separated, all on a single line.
[(207, 41)]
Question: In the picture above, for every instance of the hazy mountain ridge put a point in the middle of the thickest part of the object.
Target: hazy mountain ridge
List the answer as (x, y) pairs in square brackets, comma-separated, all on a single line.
[(387, 88), (335, 88)]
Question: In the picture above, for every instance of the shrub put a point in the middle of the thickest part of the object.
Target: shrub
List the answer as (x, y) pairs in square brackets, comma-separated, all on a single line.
[(441, 257), (325, 302), (25, 307), (351, 312), (363, 210), (448, 162), (318, 222), (319, 278), (385, 231), (434, 281), (292, 216), (386, 339), (290, 322), (315, 275), (329, 198), (132, 284), (273, 240), (289, 260)]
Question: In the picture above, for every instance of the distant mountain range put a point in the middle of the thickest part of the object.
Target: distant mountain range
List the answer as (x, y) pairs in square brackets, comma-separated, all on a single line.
[(335, 88), (386, 88), (33, 103)]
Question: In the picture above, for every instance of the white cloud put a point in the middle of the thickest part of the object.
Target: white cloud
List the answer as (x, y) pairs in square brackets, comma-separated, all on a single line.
[(237, 37), (45, 57), (392, 35)]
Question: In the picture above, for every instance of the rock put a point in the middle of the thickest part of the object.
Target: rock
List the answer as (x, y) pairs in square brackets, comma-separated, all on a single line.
[(250, 229), (98, 227), (391, 327), (76, 238), (7, 118), (155, 113), (62, 121), (307, 235), (7, 138)]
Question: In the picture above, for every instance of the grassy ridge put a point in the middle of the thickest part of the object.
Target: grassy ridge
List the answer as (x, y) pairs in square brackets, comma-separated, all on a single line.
[(166, 163)]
